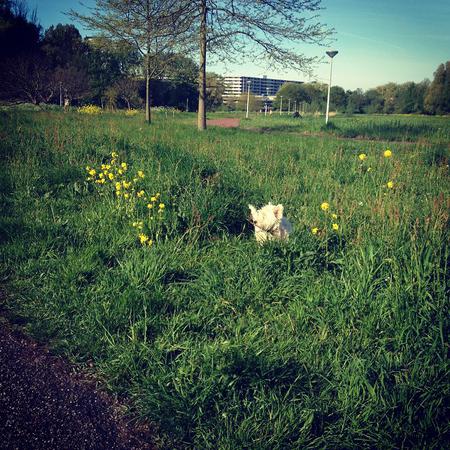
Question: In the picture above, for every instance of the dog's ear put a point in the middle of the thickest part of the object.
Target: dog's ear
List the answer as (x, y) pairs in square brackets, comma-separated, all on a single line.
[(278, 211), (253, 211)]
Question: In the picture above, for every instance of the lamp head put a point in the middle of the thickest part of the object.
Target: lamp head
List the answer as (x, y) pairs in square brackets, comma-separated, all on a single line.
[(332, 53)]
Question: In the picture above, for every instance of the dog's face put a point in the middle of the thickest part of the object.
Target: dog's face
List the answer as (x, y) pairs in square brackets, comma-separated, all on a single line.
[(267, 218)]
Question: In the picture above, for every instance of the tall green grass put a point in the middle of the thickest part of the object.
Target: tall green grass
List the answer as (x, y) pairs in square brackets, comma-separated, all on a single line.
[(334, 340)]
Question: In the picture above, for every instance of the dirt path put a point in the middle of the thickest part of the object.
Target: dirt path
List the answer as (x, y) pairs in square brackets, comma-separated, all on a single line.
[(45, 403), (224, 123)]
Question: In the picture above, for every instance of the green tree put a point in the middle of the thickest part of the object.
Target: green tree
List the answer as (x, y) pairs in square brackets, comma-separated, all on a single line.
[(150, 26), (254, 104), (338, 99), (291, 92), (437, 98), (374, 102)]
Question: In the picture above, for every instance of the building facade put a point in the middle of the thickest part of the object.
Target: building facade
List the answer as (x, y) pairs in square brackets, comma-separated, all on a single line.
[(264, 87)]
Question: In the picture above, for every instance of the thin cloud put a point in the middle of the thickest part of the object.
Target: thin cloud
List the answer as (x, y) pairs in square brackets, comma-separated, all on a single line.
[(375, 41)]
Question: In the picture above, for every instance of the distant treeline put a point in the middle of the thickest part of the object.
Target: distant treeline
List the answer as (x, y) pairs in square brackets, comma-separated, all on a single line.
[(58, 65)]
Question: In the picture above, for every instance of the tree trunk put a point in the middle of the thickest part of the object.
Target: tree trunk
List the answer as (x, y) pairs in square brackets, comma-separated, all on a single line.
[(201, 118), (148, 117)]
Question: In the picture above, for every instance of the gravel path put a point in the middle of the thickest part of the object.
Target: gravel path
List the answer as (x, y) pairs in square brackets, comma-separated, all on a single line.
[(224, 123), (45, 403)]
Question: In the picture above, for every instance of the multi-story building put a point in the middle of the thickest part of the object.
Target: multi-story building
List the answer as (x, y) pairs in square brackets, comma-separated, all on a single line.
[(265, 87)]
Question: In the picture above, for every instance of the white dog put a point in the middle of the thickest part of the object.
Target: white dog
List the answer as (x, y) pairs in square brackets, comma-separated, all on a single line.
[(269, 223)]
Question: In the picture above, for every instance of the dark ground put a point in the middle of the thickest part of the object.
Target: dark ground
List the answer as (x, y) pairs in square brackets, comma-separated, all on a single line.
[(46, 403)]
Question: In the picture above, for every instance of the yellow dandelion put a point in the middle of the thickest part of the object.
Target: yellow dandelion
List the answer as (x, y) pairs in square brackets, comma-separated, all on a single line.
[(120, 171), (92, 172), (111, 176), (162, 206), (335, 226), (153, 199), (118, 186), (324, 206), (362, 156), (334, 216), (314, 230), (150, 206), (101, 175), (140, 174), (141, 193), (390, 184), (387, 153), (158, 194), (114, 154), (103, 166), (124, 166), (118, 193), (126, 195), (143, 238), (126, 184)]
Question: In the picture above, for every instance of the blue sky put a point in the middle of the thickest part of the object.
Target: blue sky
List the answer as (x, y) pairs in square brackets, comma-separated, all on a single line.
[(378, 41)]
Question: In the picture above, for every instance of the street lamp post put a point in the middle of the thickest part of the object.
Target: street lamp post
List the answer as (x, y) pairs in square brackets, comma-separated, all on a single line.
[(248, 97), (331, 54), (281, 104)]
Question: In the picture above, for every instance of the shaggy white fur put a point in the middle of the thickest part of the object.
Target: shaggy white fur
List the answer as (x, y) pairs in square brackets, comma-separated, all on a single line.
[(269, 223)]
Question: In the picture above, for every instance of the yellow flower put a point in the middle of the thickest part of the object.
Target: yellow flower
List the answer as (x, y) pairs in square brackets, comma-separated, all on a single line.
[(153, 199), (143, 238), (126, 184), (162, 206), (100, 181), (334, 216), (114, 154), (92, 172), (335, 226), (390, 184), (314, 230), (369, 169), (103, 166), (387, 153), (158, 194), (118, 193), (140, 174), (126, 195), (324, 206), (110, 176), (118, 186), (101, 175), (362, 156), (141, 193), (120, 171), (124, 166), (150, 206)]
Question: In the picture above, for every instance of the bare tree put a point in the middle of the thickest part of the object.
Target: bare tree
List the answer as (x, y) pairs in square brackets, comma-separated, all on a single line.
[(265, 30), (151, 26)]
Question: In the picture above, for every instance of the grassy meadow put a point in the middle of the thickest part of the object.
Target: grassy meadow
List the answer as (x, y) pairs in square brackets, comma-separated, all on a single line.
[(335, 339)]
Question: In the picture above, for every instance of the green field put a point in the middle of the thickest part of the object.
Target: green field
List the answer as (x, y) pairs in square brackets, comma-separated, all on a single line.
[(337, 339)]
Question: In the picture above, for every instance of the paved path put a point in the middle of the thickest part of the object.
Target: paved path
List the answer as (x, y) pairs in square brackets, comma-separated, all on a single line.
[(45, 403)]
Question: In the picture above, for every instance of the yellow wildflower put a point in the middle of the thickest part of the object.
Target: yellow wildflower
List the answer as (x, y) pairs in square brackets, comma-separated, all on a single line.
[(92, 172), (162, 206), (110, 176), (314, 230), (114, 154), (390, 184), (140, 174), (124, 166), (126, 195), (141, 193), (334, 216), (126, 184), (387, 153), (153, 199), (362, 156), (335, 226), (118, 186), (143, 238), (118, 193), (101, 175), (100, 181), (150, 206), (120, 171), (324, 206)]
